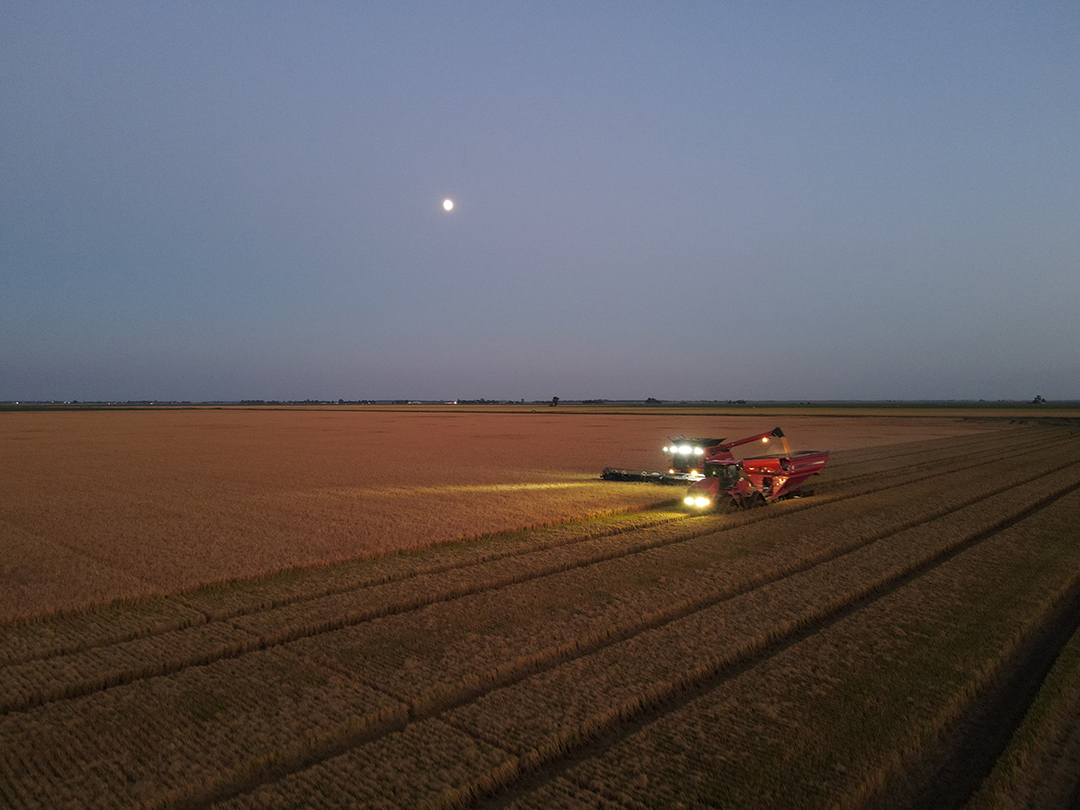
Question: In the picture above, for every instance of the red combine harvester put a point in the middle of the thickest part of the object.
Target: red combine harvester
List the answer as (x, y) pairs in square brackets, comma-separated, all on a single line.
[(717, 480)]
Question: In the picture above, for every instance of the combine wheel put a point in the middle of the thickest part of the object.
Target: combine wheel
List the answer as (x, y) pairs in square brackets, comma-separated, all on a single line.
[(756, 500)]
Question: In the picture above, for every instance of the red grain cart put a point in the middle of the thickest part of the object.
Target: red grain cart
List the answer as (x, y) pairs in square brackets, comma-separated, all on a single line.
[(754, 481)]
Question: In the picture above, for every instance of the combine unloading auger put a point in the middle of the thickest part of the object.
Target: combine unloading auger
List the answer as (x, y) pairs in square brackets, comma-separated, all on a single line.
[(717, 480)]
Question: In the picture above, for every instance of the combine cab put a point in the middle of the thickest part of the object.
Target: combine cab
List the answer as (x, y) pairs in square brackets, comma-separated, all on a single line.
[(754, 481), (687, 457)]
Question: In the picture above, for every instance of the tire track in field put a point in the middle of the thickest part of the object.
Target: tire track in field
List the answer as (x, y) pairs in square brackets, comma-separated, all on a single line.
[(948, 780), (1024, 442), (537, 771), (656, 704), (245, 642)]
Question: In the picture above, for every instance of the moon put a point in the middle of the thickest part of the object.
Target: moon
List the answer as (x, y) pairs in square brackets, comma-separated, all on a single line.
[(448, 204)]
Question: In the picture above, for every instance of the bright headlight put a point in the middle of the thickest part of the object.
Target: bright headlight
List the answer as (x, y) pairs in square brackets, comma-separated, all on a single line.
[(685, 449), (689, 500), (698, 451), (666, 448), (701, 501)]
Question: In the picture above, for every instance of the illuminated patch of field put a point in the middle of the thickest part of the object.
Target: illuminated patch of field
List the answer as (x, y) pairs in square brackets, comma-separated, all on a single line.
[(446, 489)]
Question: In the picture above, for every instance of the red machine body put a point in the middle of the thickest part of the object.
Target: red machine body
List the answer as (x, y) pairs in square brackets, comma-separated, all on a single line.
[(753, 481)]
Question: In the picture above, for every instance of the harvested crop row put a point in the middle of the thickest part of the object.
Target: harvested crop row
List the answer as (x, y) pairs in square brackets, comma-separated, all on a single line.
[(930, 461), (912, 449), (1041, 766), (917, 449), (905, 453), (426, 657), (568, 691), (71, 632), (830, 719), (541, 717), (230, 600), (146, 547), (891, 479), (234, 599), (916, 452), (59, 634), (34, 683), (404, 769), (584, 693), (146, 741), (86, 672)]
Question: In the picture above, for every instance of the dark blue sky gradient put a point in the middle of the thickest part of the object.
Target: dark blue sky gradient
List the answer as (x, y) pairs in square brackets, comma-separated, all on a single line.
[(680, 200)]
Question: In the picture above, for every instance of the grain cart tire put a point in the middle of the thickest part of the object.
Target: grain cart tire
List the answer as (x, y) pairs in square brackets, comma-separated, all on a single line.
[(725, 506)]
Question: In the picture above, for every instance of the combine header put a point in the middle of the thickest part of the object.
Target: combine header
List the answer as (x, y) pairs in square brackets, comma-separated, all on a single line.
[(685, 464), (717, 480)]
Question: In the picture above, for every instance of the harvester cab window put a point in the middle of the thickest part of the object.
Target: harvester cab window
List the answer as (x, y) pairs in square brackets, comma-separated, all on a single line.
[(729, 474)]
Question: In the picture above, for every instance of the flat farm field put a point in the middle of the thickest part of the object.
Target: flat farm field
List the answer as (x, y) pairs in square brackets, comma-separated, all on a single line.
[(99, 505), (906, 637)]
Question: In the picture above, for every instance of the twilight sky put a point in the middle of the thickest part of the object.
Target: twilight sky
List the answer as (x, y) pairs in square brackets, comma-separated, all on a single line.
[(715, 200)]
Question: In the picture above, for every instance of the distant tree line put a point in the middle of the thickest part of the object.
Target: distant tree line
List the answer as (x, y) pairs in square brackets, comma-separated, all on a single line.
[(309, 402)]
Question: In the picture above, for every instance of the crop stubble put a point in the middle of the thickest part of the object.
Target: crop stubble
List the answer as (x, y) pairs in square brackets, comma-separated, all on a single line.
[(602, 602), (830, 719)]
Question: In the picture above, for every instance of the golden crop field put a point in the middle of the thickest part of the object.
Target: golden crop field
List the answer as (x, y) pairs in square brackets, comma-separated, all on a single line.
[(905, 637), (99, 505)]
